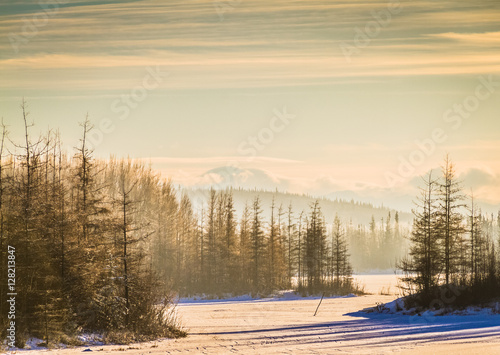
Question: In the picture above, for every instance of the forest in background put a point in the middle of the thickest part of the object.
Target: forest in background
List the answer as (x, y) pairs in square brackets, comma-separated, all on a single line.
[(377, 236), (101, 244)]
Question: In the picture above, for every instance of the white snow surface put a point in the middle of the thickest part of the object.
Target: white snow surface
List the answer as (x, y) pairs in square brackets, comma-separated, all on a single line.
[(286, 325), (289, 327), (32, 345)]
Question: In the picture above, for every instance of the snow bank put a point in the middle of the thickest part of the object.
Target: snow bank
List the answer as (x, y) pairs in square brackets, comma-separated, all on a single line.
[(39, 344), (398, 307), (91, 339), (34, 344)]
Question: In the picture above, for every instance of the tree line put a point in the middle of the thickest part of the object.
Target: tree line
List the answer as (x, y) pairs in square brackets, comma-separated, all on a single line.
[(378, 246), (79, 227), (100, 244), (259, 257), (453, 259)]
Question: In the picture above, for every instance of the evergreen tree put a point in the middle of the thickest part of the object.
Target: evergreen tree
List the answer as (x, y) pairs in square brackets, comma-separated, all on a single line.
[(245, 254), (423, 265), (274, 252), (341, 270), (450, 220), (290, 245), (475, 240), (316, 250), (87, 246), (230, 243), (300, 250), (211, 242), (186, 247), (257, 243)]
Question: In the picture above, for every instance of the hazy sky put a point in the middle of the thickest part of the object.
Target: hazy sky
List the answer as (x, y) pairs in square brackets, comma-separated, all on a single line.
[(329, 95)]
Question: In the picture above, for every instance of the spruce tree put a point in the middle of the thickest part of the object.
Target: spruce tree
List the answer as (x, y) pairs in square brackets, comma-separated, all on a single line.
[(316, 250), (422, 266), (245, 251), (257, 243), (450, 220), (290, 245), (475, 240), (341, 269)]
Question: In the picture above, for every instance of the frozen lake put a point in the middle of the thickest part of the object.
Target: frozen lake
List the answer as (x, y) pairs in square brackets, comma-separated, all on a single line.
[(287, 326), (386, 283)]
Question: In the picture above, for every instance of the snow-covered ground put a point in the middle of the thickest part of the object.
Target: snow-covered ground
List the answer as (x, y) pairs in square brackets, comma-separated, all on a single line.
[(384, 283), (287, 326)]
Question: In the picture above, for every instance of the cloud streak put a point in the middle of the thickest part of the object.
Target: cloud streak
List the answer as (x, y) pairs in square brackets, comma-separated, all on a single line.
[(260, 44), (368, 111)]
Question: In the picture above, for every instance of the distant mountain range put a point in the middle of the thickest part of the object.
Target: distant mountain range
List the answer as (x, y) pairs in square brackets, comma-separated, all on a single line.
[(365, 202), (249, 179), (348, 211)]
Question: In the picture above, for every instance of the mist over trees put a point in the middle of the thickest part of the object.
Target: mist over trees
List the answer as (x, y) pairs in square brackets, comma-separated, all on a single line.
[(99, 244), (104, 245), (453, 246), (376, 235)]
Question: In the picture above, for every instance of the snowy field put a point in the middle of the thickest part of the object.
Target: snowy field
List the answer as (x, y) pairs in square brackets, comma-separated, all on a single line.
[(287, 326), (386, 284)]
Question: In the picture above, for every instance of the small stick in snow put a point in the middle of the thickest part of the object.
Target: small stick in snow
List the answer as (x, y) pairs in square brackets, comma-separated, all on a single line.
[(323, 295)]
